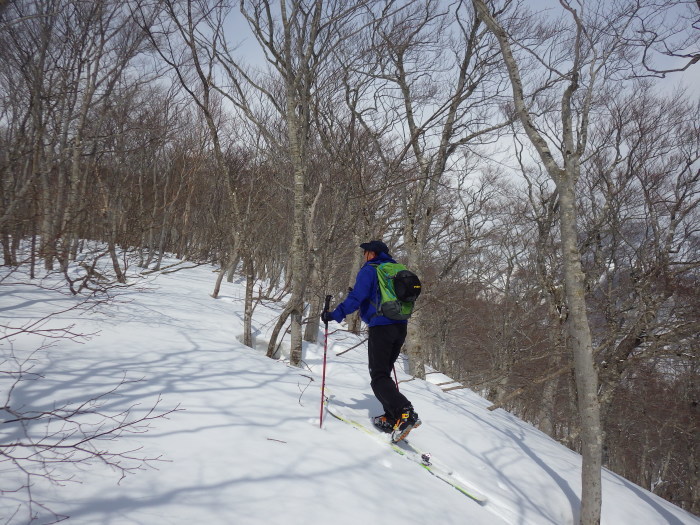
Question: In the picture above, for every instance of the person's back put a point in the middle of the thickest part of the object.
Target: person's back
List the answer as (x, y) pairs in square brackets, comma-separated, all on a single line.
[(365, 294)]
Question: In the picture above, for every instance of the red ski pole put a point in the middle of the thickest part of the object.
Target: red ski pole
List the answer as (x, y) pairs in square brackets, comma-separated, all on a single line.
[(326, 306)]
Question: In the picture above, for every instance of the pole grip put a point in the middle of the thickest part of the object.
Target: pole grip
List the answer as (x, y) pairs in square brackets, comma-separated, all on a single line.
[(327, 305)]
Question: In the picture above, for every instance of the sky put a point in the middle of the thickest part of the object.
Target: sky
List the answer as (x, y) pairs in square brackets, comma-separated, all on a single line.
[(249, 52), (239, 35), (244, 444)]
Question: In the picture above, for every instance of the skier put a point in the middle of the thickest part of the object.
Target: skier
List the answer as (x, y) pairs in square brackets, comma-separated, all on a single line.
[(386, 336)]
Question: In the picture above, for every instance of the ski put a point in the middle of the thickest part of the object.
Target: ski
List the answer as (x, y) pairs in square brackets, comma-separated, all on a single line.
[(411, 453)]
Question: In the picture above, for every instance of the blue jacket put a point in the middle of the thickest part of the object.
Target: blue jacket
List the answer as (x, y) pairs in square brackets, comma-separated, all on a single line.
[(365, 295)]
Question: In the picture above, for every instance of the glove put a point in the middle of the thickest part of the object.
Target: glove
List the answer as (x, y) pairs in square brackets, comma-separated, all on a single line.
[(326, 317)]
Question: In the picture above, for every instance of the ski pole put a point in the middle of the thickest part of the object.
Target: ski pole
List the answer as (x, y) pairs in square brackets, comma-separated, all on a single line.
[(396, 379), (326, 306)]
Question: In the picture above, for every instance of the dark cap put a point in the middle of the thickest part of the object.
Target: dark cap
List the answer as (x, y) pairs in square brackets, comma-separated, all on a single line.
[(374, 246)]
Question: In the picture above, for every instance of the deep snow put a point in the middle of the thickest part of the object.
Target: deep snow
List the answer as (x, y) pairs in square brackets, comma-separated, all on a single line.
[(245, 446)]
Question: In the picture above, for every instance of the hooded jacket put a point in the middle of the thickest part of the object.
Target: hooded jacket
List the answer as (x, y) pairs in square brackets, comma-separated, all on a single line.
[(365, 295)]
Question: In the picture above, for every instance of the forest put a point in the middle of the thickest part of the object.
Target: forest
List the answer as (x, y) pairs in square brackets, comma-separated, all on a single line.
[(536, 163)]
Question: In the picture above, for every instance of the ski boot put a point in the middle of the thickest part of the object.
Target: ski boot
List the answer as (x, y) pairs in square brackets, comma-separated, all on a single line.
[(407, 422)]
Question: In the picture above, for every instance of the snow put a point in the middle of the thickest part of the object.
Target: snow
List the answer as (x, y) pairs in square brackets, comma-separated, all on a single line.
[(245, 447)]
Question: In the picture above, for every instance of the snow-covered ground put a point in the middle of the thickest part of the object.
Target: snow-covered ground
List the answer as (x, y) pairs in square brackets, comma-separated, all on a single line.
[(245, 445)]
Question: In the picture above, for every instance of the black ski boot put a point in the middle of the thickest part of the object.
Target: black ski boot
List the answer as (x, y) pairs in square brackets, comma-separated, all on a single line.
[(407, 422)]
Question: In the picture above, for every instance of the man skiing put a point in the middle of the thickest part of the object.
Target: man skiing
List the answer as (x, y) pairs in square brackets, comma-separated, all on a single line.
[(386, 336)]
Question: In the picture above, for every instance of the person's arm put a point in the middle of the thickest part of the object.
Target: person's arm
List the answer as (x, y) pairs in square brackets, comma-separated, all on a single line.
[(360, 292)]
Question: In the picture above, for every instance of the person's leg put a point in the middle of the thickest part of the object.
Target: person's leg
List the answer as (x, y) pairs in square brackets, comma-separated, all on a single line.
[(401, 330), (384, 344)]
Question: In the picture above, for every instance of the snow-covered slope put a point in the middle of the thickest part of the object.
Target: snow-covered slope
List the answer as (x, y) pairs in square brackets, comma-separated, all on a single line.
[(245, 446)]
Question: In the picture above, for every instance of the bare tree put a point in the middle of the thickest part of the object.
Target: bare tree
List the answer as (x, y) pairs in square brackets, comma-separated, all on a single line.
[(436, 79), (595, 54), (589, 51), (669, 36), (64, 62), (639, 209), (297, 38)]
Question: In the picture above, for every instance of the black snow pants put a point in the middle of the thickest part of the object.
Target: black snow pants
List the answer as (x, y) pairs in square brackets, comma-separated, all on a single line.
[(385, 342)]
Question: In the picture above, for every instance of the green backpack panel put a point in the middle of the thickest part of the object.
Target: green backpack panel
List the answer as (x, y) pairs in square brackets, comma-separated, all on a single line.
[(399, 288)]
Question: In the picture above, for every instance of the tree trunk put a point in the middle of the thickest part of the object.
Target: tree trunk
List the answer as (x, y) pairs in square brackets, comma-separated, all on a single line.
[(225, 268), (248, 309), (232, 269), (115, 263), (298, 254), (415, 340), (354, 321), (577, 323), (219, 279), (6, 252), (584, 366), (298, 257), (32, 257), (296, 112), (313, 322), (272, 344)]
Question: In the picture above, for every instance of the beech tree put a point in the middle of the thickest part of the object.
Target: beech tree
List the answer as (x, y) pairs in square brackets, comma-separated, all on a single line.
[(297, 39), (64, 63), (640, 210), (430, 114), (586, 61), (580, 55)]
